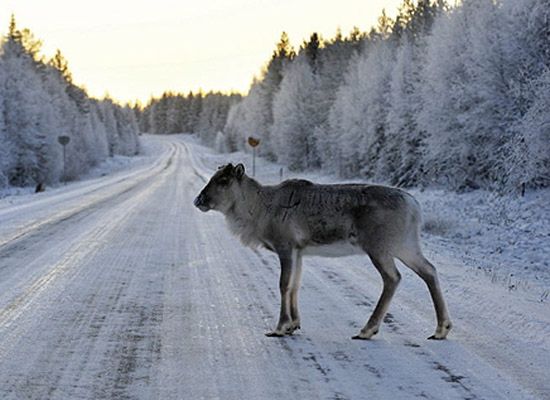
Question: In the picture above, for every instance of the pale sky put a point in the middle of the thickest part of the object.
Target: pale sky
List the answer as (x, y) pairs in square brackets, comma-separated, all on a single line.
[(138, 48)]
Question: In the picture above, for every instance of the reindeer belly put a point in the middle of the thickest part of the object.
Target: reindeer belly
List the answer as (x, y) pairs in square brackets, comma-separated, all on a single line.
[(331, 238), (340, 248)]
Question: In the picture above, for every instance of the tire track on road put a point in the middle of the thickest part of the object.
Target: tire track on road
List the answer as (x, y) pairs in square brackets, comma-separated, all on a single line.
[(102, 329), (87, 246)]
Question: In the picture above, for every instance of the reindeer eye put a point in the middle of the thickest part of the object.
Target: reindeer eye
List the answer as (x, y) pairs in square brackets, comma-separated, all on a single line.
[(223, 181)]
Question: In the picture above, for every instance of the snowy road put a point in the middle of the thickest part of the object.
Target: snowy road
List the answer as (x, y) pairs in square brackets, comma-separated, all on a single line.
[(118, 288)]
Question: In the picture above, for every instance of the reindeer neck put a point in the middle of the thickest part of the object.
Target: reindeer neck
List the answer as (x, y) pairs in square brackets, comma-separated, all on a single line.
[(251, 201)]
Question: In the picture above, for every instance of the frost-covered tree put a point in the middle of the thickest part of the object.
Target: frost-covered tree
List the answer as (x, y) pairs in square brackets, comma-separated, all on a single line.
[(377, 66), (344, 123), (5, 145), (204, 114), (257, 113), (481, 59), (491, 109), (107, 117), (144, 118), (195, 108), (402, 159), (159, 114), (74, 111), (253, 116), (233, 128), (28, 116), (528, 152), (250, 117), (39, 102), (128, 143), (333, 61), (172, 114), (526, 45), (261, 105), (100, 144), (361, 108), (444, 100), (293, 124), (448, 96), (213, 115)]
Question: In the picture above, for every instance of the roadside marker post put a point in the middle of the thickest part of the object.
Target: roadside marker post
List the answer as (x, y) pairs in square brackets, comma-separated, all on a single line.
[(64, 141), (253, 142)]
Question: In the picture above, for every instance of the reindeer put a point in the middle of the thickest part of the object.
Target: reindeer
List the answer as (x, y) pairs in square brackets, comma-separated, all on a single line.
[(298, 218)]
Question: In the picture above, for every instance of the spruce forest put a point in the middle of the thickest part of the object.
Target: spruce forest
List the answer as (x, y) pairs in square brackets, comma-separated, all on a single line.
[(38, 103), (453, 97)]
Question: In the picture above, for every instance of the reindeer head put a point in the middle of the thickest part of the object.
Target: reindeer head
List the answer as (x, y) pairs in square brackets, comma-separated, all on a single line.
[(220, 193)]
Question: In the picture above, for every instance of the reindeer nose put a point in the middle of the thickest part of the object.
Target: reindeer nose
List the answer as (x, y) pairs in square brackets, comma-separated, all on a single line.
[(198, 200), (202, 202)]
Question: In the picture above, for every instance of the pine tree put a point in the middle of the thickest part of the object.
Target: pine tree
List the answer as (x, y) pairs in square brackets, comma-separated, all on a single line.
[(27, 112), (311, 51), (444, 103), (262, 93), (292, 110), (525, 33), (6, 148)]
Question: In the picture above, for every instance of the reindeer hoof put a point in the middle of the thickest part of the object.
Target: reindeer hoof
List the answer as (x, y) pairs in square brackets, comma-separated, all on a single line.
[(433, 337), (441, 332), (290, 330), (360, 337), (365, 336), (274, 334)]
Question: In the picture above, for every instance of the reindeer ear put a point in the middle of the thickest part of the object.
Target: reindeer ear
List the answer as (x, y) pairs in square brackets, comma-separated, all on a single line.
[(239, 171), (224, 166)]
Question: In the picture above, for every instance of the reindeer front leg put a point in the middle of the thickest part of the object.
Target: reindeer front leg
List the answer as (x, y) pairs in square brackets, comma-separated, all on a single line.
[(295, 287), (285, 326)]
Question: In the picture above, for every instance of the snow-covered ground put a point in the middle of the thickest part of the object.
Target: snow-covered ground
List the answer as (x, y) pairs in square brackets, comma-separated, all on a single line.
[(116, 287)]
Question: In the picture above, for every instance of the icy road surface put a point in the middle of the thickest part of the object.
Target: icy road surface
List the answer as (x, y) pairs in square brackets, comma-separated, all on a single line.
[(118, 288)]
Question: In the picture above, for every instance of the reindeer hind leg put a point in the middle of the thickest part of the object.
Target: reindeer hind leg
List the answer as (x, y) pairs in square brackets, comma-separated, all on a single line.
[(416, 261), (390, 275)]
